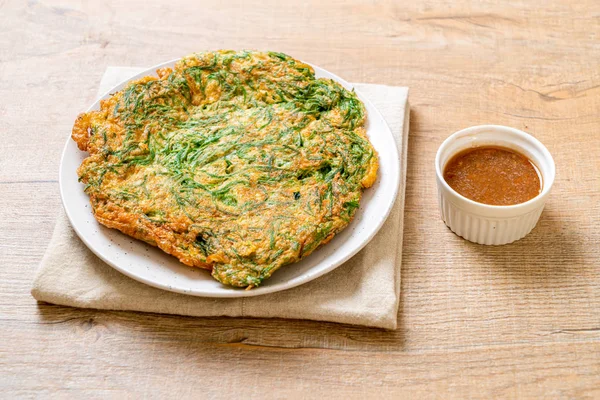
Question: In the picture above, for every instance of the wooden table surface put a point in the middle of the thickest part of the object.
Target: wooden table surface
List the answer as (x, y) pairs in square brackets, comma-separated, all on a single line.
[(507, 322)]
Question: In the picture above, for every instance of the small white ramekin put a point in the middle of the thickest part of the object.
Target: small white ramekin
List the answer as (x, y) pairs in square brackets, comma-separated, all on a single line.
[(483, 223)]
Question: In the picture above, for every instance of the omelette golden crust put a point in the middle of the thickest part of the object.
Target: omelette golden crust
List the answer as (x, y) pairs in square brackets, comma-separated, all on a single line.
[(237, 162)]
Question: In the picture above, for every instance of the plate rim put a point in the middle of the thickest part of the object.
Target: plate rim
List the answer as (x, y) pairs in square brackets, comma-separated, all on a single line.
[(238, 293)]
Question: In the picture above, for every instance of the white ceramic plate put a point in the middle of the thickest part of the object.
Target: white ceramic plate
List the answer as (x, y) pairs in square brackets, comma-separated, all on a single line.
[(150, 265)]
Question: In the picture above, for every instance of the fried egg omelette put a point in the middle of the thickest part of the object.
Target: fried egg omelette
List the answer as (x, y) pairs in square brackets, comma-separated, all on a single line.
[(236, 162)]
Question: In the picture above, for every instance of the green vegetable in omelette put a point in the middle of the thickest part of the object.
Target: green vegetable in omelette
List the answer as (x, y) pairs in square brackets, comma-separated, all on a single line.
[(237, 162)]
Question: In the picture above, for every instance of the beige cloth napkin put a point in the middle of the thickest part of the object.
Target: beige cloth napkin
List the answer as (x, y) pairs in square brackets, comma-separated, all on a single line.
[(363, 291)]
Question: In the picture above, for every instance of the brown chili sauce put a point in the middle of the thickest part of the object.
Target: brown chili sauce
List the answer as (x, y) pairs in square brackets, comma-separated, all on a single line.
[(493, 175)]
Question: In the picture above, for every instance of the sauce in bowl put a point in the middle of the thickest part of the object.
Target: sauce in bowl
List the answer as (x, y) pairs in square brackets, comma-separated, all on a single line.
[(493, 175)]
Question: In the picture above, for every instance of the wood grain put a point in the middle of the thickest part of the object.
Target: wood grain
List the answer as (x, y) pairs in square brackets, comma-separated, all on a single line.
[(506, 322)]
